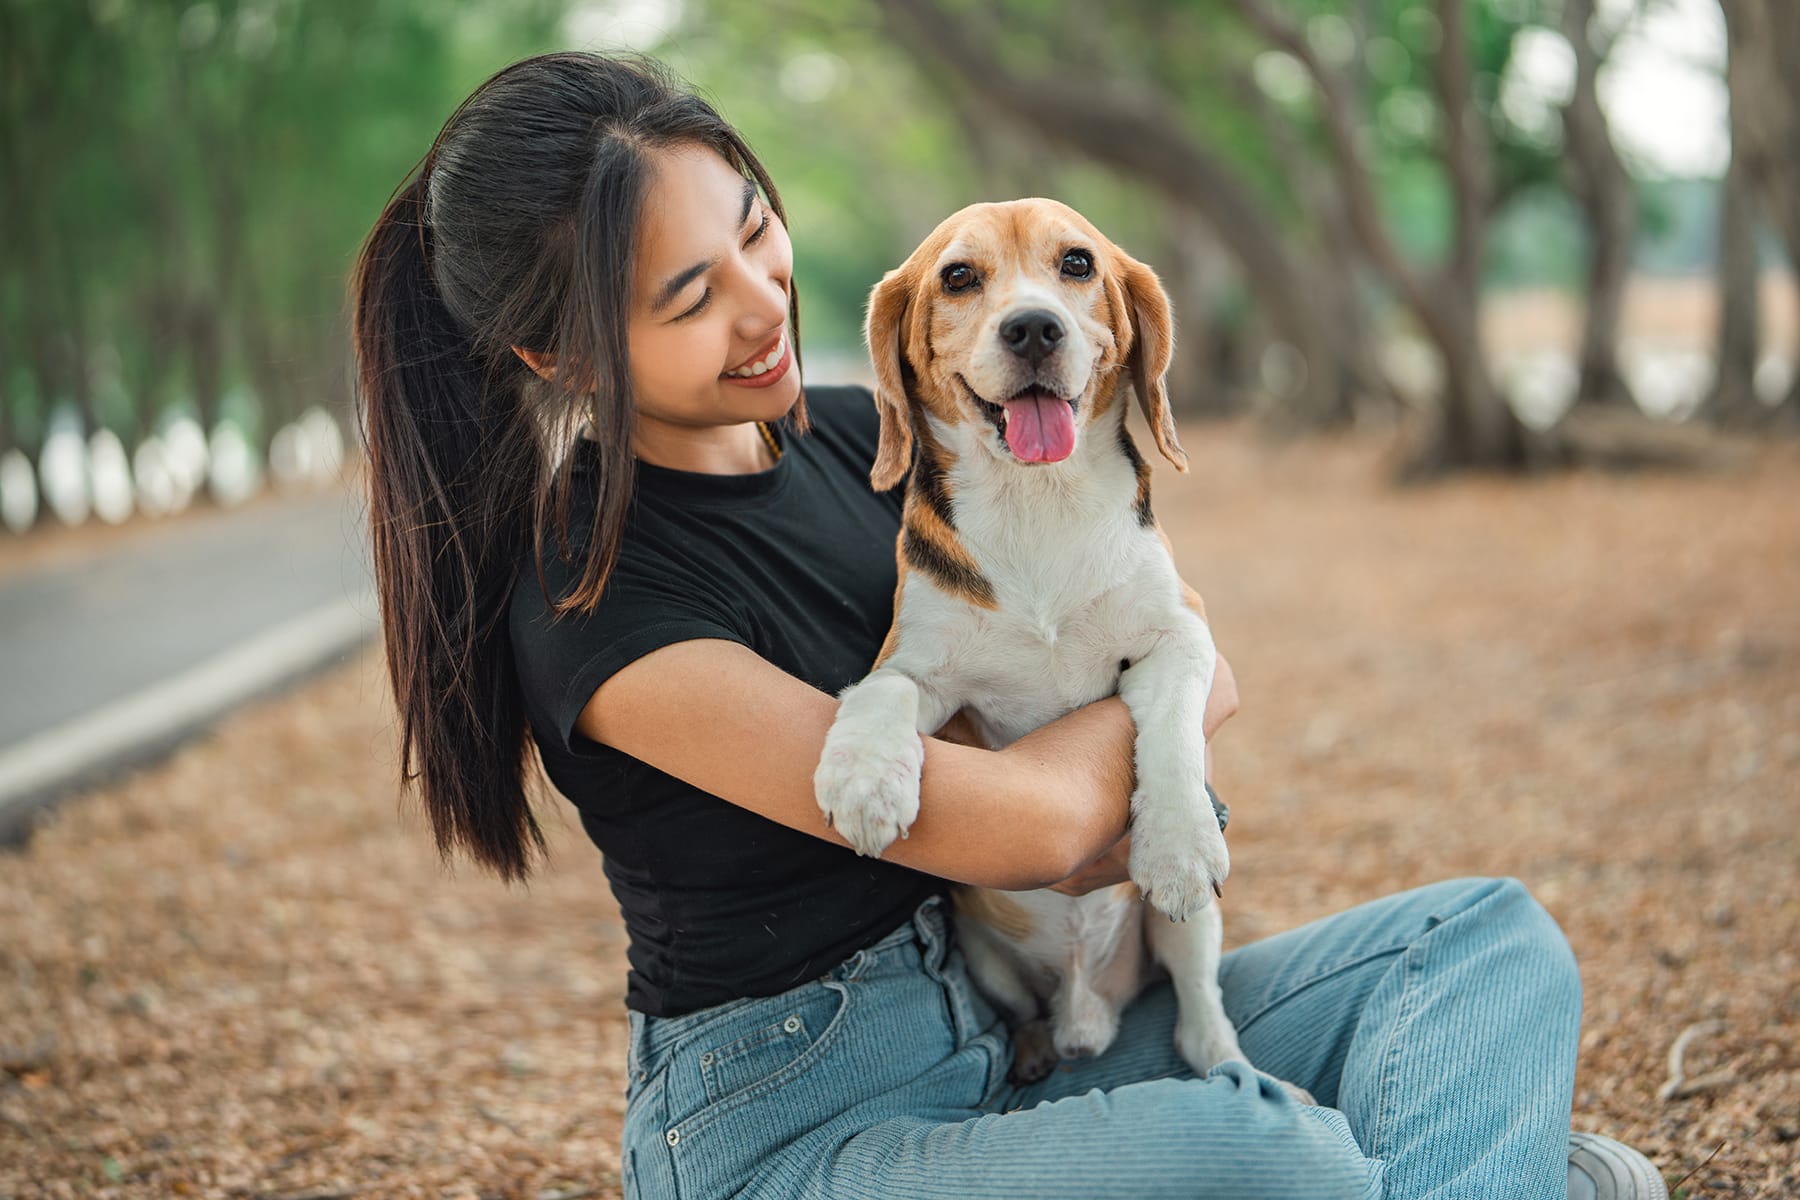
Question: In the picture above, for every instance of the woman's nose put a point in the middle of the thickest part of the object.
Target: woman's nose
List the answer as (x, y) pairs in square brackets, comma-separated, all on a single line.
[(770, 294)]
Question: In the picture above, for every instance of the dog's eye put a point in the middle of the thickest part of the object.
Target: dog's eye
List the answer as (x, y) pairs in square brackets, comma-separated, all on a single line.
[(958, 277), (1078, 264)]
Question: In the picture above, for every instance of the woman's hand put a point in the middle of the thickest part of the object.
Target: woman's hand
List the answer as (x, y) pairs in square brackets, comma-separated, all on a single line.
[(1114, 865)]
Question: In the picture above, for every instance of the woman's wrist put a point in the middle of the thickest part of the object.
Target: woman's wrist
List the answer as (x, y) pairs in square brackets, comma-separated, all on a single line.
[(1076, 775)]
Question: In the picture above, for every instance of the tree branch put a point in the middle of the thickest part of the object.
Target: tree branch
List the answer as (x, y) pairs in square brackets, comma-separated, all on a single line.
[(1340, 110), (1465, 150), (1138, 133)]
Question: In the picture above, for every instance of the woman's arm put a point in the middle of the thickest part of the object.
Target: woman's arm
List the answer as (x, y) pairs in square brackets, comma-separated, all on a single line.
[(719, 716)]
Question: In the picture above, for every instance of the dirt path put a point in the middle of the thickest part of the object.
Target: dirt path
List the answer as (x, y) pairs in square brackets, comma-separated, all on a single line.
[(243, 973)]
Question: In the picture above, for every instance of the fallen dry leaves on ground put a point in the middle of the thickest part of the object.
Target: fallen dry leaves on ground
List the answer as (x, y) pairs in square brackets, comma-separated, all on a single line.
[(242, 972)]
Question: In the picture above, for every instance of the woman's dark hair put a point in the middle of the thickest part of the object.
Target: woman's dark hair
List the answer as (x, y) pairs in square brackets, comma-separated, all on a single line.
[(516, 229)]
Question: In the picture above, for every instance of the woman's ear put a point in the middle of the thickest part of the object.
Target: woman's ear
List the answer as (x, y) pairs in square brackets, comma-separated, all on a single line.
[(1152, 347), (542, 364), (889, 306)]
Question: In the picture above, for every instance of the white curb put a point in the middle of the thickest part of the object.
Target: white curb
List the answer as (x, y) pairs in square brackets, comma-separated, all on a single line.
[(35, 770)]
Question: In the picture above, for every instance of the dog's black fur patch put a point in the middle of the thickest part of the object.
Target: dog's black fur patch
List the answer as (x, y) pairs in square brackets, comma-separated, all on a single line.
[(952, 576), (1142, 503)]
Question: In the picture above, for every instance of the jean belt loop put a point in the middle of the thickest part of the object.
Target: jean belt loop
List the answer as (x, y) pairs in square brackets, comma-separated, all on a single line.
[(931, 928), (634, 1043)]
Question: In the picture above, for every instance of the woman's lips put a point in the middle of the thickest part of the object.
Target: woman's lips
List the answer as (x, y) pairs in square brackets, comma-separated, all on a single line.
[(771, 375), (760, 355)]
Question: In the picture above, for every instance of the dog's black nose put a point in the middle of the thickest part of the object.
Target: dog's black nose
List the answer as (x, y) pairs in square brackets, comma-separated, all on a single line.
[(1034, 334)]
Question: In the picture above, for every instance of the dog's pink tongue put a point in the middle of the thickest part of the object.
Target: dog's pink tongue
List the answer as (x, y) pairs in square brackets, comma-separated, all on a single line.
[(1040, 428)]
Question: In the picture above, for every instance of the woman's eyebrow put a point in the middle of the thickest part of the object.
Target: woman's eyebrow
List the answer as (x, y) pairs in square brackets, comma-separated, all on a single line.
[(681, 279)]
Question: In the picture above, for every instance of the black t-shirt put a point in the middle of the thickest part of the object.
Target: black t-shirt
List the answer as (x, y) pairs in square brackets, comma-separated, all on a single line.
[(797, 563)]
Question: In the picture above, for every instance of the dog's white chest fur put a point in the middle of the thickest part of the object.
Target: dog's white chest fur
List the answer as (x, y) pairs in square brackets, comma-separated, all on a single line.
[(1080, 586)]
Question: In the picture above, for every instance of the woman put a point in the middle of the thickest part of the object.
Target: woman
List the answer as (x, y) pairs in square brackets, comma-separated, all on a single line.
[(578, 340)]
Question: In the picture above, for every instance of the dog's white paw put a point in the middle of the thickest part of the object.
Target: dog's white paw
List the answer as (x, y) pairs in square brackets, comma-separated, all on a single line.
[(1179, 865), (1204, 1041), (1085, 1034), (867, 782), (1298, 1094)]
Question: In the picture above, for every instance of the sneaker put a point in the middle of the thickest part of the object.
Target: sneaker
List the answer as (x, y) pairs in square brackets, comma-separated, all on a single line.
[(1602, 1169)]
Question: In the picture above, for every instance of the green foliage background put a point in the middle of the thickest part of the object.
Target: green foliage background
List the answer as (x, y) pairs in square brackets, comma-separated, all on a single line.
[(185, 184)]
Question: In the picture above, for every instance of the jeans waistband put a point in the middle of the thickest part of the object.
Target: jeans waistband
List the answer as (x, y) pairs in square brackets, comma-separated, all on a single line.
[(925, 933)]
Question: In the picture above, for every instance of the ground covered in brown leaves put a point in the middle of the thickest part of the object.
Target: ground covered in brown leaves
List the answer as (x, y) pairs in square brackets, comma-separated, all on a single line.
[(242, 973)]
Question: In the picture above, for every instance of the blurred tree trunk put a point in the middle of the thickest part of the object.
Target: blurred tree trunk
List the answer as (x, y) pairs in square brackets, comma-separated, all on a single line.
[(205, 345), (69, 340), (1763, 44), (1474, 426), (1190, 272), (1602, 186), (1142, 136), (159, 326), (280, 393), (1336, 287), (1733, 400), (6, 392)]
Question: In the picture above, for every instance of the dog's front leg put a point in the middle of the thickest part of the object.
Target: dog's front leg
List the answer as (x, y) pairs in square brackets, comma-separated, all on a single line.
[(1178, 855), (1189, 950), (867, 781)]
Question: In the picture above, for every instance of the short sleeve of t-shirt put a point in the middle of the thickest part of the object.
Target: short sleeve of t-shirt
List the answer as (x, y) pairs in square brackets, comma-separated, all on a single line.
[(644, 607)]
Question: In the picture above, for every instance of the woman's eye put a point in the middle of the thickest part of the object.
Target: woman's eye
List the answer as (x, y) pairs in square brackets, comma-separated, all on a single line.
[(958, 277), (1077, 264), (705, 299), (706, 296)]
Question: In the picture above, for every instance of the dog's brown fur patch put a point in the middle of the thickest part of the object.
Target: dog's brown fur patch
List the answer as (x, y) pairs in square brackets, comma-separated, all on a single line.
[(994, 910)]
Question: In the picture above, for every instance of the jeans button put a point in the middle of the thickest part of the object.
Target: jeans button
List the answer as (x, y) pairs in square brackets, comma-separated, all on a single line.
[(792, 1024), (706, 1060), (673, 1137)]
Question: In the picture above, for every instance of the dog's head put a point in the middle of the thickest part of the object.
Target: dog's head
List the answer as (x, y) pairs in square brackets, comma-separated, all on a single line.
[(1015, 320)]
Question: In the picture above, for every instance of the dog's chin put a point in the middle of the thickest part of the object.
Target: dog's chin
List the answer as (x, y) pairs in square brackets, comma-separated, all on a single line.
[(992, 413)]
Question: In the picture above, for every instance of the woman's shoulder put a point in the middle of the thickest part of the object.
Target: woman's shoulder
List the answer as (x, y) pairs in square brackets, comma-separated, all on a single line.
[(843, 413)]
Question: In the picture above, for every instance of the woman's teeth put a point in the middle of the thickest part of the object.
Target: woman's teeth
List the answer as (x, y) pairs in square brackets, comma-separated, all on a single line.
[(766, 363)]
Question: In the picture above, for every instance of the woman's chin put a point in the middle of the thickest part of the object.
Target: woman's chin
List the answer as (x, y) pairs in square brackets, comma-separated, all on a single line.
[(765, 404)]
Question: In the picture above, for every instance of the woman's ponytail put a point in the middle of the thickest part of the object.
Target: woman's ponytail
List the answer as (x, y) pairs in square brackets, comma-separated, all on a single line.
[(451, 479)]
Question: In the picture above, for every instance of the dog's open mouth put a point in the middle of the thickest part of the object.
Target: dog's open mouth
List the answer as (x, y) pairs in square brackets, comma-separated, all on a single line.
[(1037, 425)]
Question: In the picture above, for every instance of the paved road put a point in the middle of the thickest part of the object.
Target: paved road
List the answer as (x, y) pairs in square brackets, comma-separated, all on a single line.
[(78, 638)]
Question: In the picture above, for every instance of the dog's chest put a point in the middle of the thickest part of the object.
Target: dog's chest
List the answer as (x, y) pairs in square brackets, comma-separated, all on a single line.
[(1079, 585), (1026, 665), (1069, 930)]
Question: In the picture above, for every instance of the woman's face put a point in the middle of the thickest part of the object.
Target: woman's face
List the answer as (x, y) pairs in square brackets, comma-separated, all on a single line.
[(710, 297)]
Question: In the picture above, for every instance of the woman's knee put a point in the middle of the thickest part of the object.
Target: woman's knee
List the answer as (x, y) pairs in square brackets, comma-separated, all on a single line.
[(1502, 914), (1284, 1147)]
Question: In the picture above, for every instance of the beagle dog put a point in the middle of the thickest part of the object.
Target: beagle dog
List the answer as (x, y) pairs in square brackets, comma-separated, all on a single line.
[(1034, 580)]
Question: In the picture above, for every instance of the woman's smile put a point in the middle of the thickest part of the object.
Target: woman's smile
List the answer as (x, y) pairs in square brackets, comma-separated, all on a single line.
[(770, 364)]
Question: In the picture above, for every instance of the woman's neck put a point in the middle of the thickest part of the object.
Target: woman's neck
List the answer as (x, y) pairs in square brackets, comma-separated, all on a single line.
[(707, 449)]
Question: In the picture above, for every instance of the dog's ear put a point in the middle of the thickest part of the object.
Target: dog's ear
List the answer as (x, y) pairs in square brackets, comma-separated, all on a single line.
[(1152, 346), (889, 306)]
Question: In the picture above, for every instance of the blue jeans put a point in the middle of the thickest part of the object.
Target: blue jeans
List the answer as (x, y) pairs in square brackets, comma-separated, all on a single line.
[(1436, 1028)]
